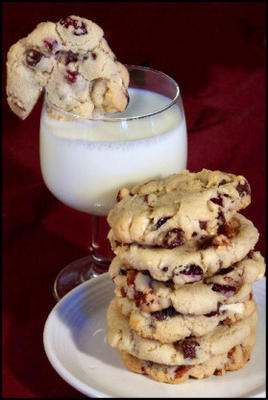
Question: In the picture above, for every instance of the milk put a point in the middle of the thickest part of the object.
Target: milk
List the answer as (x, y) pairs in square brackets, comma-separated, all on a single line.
[(84, 163)]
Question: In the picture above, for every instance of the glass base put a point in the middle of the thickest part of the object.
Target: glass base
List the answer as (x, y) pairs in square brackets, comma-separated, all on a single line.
[(76, 273)]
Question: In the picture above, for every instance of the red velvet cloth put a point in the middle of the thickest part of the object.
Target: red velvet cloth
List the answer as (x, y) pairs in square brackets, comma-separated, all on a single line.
[(216, 52)]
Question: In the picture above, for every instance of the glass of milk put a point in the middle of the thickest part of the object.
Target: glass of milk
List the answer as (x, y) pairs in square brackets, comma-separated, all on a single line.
[(84, 163)]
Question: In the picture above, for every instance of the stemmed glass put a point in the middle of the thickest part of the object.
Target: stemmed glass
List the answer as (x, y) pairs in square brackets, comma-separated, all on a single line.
[(85, 162)]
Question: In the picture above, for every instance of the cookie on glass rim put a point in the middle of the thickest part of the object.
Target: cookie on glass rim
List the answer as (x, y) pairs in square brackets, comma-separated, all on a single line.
[(72, 61)]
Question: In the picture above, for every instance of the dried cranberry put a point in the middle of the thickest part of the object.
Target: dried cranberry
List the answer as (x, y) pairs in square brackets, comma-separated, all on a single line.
[(78, 29), (203, 224), (161, 221), (71, 77), (243, 189), (70, 57), (224, 271), (222, 182), (188, 348), (94, 55), (66, 22), (212, 313), (215, 312), (217, 200), (227, 290), (181, 370), (143, 371), (165, 269), (218, 372), (33, 57), (165, 313), (193, 270), (50, 44), (174, 238), (205, 243), (159, 315)]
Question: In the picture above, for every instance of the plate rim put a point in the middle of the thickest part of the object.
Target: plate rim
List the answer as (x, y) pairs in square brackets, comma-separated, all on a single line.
[(77, 383)]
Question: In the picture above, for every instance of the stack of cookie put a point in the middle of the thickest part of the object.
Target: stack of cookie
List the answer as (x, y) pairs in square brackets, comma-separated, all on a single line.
[(184, 268)]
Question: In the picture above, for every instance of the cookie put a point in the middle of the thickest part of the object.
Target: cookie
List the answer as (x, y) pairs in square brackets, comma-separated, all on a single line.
[(168, 326), (217, 365), (192, 261), (188, 351), (73, 62), (230, 285), (167, 212)]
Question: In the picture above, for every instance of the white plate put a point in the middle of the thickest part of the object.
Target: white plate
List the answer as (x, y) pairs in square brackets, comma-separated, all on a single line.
[(76, 345)]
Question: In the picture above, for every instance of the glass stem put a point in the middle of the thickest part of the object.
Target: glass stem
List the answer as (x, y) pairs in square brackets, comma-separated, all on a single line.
[(100, 248)]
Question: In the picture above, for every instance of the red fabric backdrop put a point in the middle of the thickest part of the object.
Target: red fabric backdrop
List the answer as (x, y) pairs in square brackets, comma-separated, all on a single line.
[(216, 52)]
